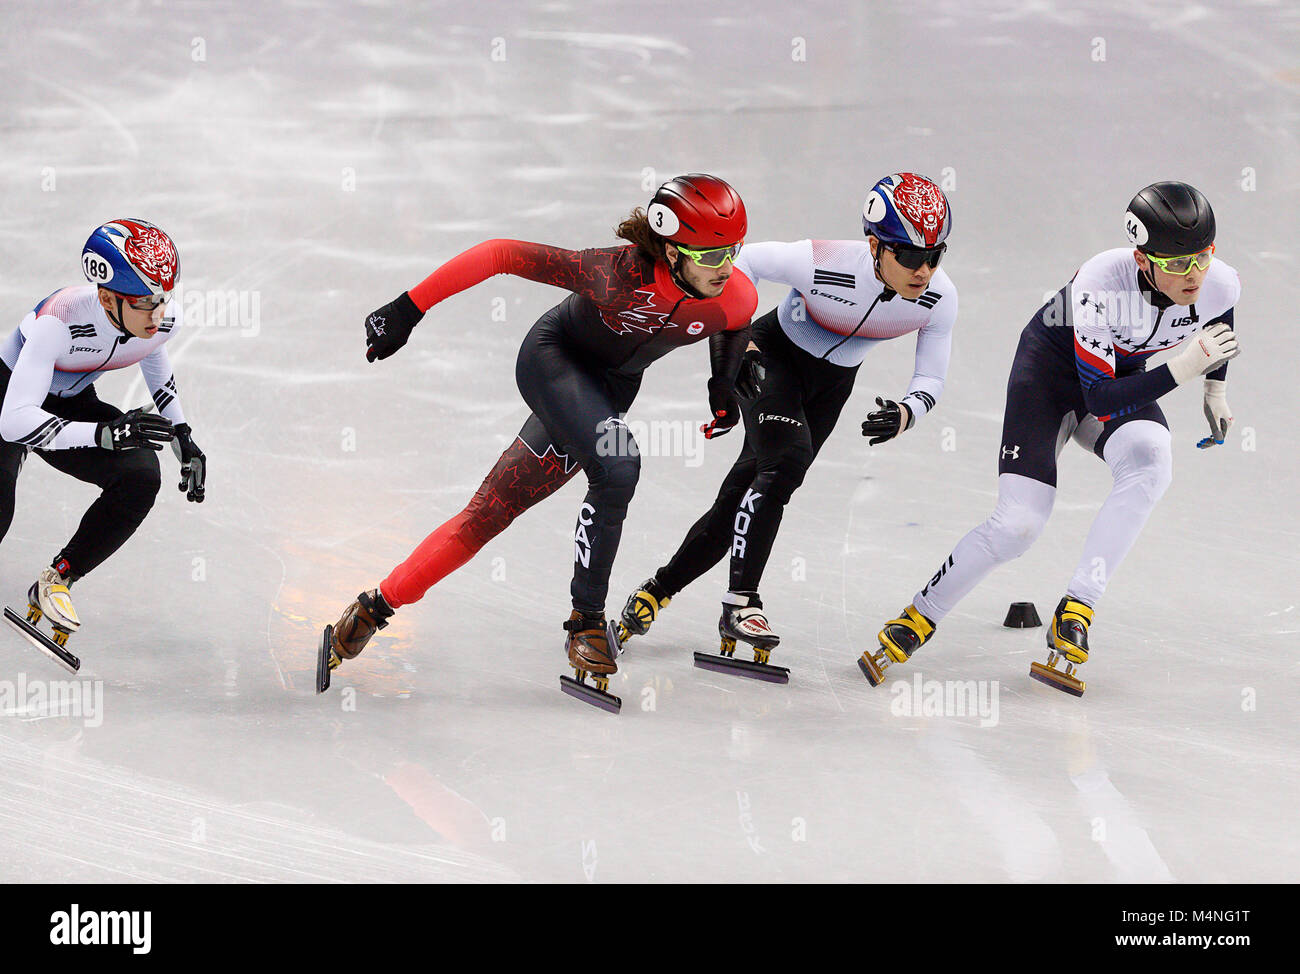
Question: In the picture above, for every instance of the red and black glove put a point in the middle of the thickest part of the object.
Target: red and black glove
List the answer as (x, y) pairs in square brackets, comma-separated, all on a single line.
[(724, 406)]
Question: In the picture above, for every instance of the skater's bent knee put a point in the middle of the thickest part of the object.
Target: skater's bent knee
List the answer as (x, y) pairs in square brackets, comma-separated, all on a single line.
[(1010, 532), (616, 473), (142, 474), (782, 480)]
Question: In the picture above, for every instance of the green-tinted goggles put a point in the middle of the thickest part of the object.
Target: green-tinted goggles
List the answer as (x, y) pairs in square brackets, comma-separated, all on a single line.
[(1183, 265), (714, 256)]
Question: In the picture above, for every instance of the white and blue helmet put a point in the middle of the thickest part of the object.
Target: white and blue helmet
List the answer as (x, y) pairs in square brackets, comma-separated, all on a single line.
[(131, 257)]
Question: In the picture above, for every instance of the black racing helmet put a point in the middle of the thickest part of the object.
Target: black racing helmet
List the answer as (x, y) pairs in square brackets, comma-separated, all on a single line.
[(1170, 219)]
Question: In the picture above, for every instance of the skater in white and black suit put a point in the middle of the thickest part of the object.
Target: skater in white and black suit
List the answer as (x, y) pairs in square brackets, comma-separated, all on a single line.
[(1080, 371), (846, 297), (50, 364)]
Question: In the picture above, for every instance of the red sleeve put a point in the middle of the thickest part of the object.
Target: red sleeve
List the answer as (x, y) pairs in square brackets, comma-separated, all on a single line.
[(588, 272)]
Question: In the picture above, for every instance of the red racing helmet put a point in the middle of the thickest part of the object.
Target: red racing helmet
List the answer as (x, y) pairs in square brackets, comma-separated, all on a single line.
[(698, 211)]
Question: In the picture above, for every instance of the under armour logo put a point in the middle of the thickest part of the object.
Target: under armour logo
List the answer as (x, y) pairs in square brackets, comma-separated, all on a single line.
[(122, 431), (377, 324), (1011, 452)]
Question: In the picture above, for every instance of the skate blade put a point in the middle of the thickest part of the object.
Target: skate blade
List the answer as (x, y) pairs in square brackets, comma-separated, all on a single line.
[(743, 667), (1055, 678), (41, 642), (589, 694), (323, 660), (873, 671)]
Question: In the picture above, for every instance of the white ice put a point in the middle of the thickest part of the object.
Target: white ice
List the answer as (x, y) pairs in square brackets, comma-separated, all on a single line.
[(322, 157)]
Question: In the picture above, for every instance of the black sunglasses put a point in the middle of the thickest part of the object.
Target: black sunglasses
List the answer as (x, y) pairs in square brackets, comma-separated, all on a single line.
[(913, 257)]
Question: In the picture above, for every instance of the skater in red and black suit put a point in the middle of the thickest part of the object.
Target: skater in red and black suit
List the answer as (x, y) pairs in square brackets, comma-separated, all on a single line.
[(579, 368)]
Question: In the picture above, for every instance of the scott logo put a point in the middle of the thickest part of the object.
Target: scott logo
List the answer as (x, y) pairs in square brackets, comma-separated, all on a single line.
[(765, 417)]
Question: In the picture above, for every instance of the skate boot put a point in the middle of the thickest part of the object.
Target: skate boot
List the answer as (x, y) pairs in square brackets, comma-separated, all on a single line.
[(592, 645), (642, 609), (1067, 639), (742, 620), (899, 639), (48, 598), (348, 637)]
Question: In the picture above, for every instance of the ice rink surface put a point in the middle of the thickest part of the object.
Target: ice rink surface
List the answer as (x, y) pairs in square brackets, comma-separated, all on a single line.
[(316, 159)]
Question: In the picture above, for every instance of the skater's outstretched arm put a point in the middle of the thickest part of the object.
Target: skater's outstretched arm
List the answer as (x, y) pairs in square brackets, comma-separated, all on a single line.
[(604, 275), (587, 272), (22, 420)]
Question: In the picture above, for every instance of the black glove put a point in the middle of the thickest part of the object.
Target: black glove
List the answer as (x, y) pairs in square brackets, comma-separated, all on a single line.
[(886, 422), (134, 431), (388, 328), (749, 382), (724, 406), (194, 465)]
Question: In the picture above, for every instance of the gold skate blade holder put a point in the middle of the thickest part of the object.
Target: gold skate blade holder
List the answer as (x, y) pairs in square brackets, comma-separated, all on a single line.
[(1064, 680), (873, 666)]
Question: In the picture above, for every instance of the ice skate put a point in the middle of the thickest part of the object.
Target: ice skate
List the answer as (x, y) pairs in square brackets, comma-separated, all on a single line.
[(48, 598), (593, 646), (899, 639), (742, 620), (642, 609), (348, 637), (1067, 640)]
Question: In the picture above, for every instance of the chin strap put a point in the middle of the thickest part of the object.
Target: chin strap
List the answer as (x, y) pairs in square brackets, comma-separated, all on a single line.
[(680, 281), (1157, 297), (116, 322)]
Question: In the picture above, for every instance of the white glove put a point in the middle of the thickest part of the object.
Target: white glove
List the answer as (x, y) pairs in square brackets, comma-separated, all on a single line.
[(1217, 412), (1207, 348)]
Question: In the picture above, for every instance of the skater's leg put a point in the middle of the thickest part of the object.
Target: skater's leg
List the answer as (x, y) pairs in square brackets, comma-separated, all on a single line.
[(129, 481), (529, 470), (709, 539), (582, 409), (1044, 406), (1022, 510), (11, 461), (777, 425), (1140, 459)]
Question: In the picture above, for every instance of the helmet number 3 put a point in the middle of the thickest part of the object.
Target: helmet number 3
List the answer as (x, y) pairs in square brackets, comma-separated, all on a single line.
[(663, 220), (96, 268)]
